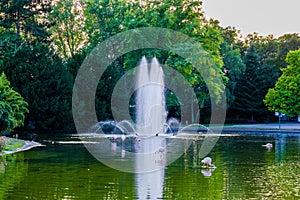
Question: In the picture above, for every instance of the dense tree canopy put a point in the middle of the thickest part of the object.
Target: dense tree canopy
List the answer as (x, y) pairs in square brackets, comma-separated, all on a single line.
[(43, 43)]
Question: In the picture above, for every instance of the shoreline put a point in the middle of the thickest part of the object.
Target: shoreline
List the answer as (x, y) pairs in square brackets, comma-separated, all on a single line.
[(267, 128), (28, 145)]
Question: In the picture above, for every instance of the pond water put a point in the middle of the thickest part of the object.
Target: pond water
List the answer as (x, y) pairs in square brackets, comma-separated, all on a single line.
[(245, 170)]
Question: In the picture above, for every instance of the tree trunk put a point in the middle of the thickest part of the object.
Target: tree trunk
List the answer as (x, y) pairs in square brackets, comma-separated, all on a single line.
[(18, 23)]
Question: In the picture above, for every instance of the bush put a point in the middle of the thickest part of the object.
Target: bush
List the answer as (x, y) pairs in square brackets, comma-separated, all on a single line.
[(12, 106)]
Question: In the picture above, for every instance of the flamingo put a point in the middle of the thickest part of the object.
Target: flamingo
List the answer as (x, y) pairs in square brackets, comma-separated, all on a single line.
[(207, 161), (114, 138), (136, 137), (161, 151), (268, 145), (123, 137)]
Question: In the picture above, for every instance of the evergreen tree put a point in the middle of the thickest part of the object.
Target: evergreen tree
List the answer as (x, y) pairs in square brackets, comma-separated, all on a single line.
[(249, 92), (26, 18), (40, 77)]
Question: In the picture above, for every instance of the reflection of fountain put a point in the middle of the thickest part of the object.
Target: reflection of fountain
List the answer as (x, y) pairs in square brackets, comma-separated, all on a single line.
[(280, 147)]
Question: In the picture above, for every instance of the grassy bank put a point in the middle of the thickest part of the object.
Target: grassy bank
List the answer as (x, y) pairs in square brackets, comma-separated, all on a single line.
[(10, 144)]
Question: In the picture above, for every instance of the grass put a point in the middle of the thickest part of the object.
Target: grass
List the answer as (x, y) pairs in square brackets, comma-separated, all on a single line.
[(12, 144)]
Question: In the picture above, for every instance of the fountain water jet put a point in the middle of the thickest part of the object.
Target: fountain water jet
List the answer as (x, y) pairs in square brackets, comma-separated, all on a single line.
[(150, 98)]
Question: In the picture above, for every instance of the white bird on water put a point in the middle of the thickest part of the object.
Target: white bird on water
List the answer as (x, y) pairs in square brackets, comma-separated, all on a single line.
[(161, 151), (123, 137), (207, 161), (114, 138), (268, 145)]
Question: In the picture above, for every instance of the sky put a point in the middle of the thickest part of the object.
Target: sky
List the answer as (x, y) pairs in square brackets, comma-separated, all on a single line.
[(276, 17)]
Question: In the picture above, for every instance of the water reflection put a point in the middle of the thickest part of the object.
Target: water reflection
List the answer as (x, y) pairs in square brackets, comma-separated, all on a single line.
[(245, 170), (280, 147), (150, 185), (13, 168), (207, 172)]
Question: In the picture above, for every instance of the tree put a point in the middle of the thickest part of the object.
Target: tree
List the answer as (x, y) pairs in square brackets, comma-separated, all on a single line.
[(249, 95), (233, 63), (68, 32), (269, 52), (12, 106), (106, 18), (286, 43), (34, 70), (39, 75), (26, 18), (186, 17), (285, 97)]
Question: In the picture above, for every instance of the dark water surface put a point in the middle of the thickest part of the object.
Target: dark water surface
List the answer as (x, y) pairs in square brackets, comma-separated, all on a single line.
[(245, 170)]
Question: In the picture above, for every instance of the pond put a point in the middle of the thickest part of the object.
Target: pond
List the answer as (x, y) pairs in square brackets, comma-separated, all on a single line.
[(245, 170)]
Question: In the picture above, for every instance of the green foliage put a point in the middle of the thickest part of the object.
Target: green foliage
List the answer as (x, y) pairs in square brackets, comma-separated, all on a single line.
[(68, 35), (250, 88), (107, 18), (233, 63), (26, 18), (42, 71), (186, 17), (285, 97), (12, 106), (39, 75), (250, 92), (13, 144), (286, 43)]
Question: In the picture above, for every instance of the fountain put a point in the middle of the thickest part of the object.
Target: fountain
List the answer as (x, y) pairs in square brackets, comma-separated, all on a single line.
[(150, 98), (150, 120), (151, 130), (148, 146)]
